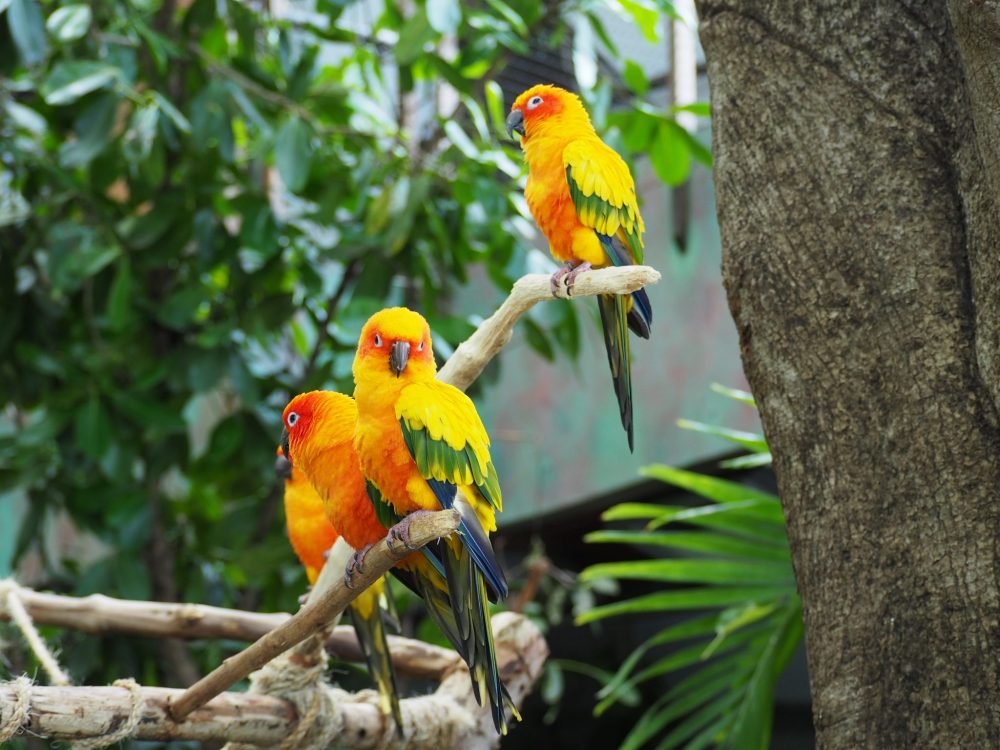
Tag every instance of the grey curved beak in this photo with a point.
(283, 467)
(284, 446)
(399, 355)
(515, 123)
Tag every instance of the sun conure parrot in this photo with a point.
(312, 535)
(423, 447)
(582, 196)
(318, 439)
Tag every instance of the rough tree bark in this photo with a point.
(857, 167)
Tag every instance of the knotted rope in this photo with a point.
(11, 723)
(128, 728)
(10, 604)
(431, 721)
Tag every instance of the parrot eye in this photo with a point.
(378, 340)
(420, 346)
(293, 417)
(534, 102)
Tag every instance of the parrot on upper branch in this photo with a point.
(582, 196)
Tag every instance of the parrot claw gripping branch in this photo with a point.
(297, 709)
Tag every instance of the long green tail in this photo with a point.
(470, 606)
(614, 319)
(466, 626)
(370, 628)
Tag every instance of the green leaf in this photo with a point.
(537, 339)
(752, 728)
(712, 488)
(646, 17)
(750, 461)
(173, 114)
(68, 81)
(671, 154)
(94, 128)
(674, 601)
(744, 397)
(293, 152)
(141, 134)
(93, 428)
(27, 30)
(694, 541)
(748, 440)
(444, 16)
(510, 15)
(635, 77)
(768, 512)
(416, 33)
(696, 571)
(69, 22)
(495, 106)
(701, 109)
(119, 297)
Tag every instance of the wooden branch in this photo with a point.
(473, 354)
(313, 616)
(103, 615)
(70, 713)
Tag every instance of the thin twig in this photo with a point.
(313, 616)
(350, 271)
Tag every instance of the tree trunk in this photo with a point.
(861, 234)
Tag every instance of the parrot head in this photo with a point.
(282, 466)
(316, 421)
(544, 106)
(395, 344)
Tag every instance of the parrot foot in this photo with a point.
(571, 276)
(304, 597)
(569, 272)
(558, 276)
(400, 533)
(355, 565)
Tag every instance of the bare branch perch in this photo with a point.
(104, 615)
(475, 353)
(70, 713)
(313, 616)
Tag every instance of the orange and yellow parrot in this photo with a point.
(423, 447)
(319, 440)
(582, 196)
(312, 535)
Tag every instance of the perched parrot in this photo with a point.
(312, 535)
(582, 196)
(423, 447)
(319, 441)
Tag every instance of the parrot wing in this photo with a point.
(603, 193)
(450, 447)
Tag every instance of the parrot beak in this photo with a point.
(399, 355)
(285, 448)
(283, 467)
(515, 123)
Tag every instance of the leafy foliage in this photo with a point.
(731, 558)
(200, 203)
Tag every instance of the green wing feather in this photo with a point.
(603, 192)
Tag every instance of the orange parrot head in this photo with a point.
(395, 345)
(545, 107)
(317, 421)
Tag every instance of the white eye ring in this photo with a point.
(420, 346)
(293, 417)
(378, 340)
(534, 102)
